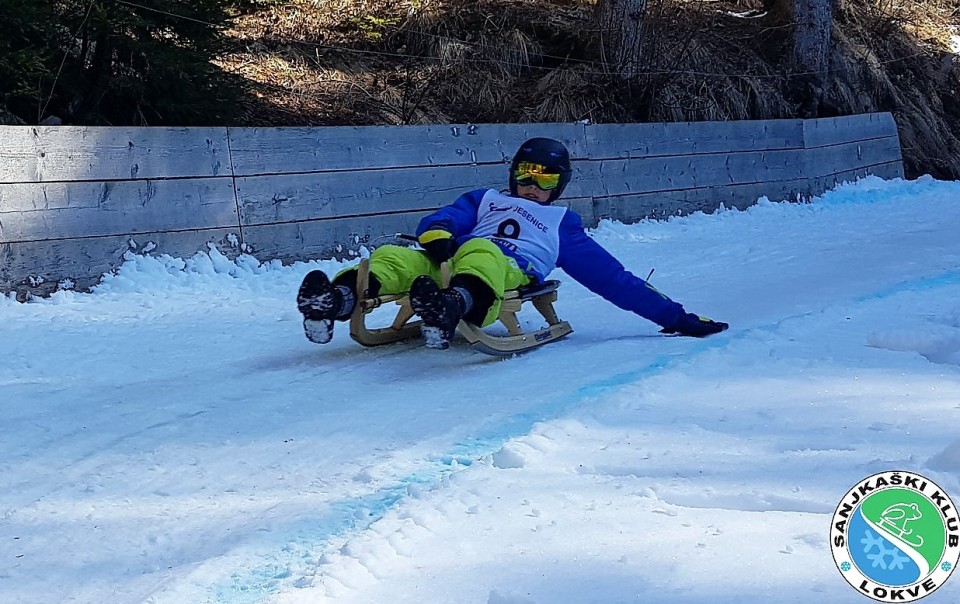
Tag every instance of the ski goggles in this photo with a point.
(528, 173)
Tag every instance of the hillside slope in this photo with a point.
(330, 62)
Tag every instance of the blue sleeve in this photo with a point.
(458, 218)
(596, 269)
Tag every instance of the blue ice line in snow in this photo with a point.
(521, 423)
(253, 585)
(944, 279)
(924, 283)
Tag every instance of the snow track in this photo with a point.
(174, 438)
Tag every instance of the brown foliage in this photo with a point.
(342, 62)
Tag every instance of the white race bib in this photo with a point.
(524, 228)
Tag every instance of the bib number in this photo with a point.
(509, 229)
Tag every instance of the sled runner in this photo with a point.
(542, 295)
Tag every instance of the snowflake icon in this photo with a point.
(845, 566)
(897, 560)
(870, 541)
(946, 566)
(879, 558)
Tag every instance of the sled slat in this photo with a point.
(508, 345)
(399, 330)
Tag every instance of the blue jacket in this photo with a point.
(577, 254)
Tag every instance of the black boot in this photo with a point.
(320, 302)
(439, 309)
(481, 297)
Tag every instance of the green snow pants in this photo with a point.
(396, 267)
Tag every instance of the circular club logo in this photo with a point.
(896, 536)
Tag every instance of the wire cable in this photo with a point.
(63, 61)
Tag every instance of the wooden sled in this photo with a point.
(542, 295)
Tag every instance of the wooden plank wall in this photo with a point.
(74, 200)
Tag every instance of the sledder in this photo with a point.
(496, 244)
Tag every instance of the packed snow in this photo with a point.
(172, 437)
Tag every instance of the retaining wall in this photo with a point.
(74, 200)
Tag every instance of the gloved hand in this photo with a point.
(696, 326)
(438, 244)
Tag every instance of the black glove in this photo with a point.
(438, 244)
(690, 324)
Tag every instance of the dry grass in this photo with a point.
(353, 62)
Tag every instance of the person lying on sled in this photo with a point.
(494, 241)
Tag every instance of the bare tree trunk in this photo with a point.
(812, 22)
(811, 38)
(621, 22)
(810, 27)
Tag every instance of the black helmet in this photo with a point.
(549, 153)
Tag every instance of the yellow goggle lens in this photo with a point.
(535, 174)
